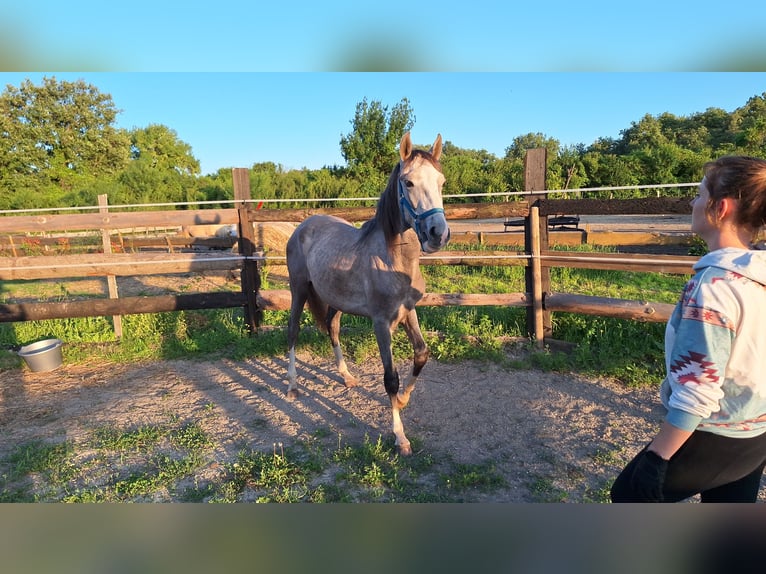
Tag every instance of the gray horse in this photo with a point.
(372, 271)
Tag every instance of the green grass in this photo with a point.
(155, 462)
(110, 465)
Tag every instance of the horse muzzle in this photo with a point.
(433, 233)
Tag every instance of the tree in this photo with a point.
(58, 137)
(646, 133)
(323, 184)
(751, 126)
(162, 167)
(570, 167)
(471, 172)
(520, 145)
(718, 125)
(370, 150)
(161, 148)
(217, 187)
(609, 170)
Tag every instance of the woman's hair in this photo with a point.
(742, 178)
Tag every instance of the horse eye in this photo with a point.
(408, 183)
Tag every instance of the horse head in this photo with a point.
(420, 193)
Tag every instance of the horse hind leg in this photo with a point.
(293, 325)
(333, 329)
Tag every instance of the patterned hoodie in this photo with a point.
(715, 347)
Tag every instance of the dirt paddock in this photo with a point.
(552, 436)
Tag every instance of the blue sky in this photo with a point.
(483, 35)
(297, 119)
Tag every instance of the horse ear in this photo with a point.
(436, 149)
(405, 146)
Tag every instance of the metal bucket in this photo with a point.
(43, 355)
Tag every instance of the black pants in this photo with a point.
(718, 468)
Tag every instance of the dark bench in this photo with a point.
(560, 222)
(512, 223)
(564, 222)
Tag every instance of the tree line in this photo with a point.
(60, 147)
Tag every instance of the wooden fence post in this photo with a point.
(111, 280)
(535, 268)
(535, 167)
(250, 278)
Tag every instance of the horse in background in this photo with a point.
(372, 271)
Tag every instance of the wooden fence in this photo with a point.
(535, 256)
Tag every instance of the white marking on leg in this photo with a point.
(340, 363)
(402, 442)
(292, 377)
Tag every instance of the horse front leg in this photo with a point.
(420, 354)
(391, 383)
(333, 329)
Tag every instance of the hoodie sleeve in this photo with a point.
(699, 355)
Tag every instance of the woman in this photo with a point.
(713, 439)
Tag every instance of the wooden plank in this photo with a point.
(609, 307)
(643, 206)
(118, 264)
(581, 237)
(116, 220)
(679, 265)
(274, 300)
(461, 211)
(475, 299)
(279, 299)
(638, 238)
(475, 258)
(39, 311)
(505, 209)
(353, 214)
(130, 264)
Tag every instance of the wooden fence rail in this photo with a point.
(535, 256)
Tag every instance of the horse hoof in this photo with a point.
(351, 382)
(293, 394)
(405, 449)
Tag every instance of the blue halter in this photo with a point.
(404, 203)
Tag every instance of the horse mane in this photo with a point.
(388, 215)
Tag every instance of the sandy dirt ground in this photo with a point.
(563, 431)
(552, 436)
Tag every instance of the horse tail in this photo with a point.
(318, 309)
